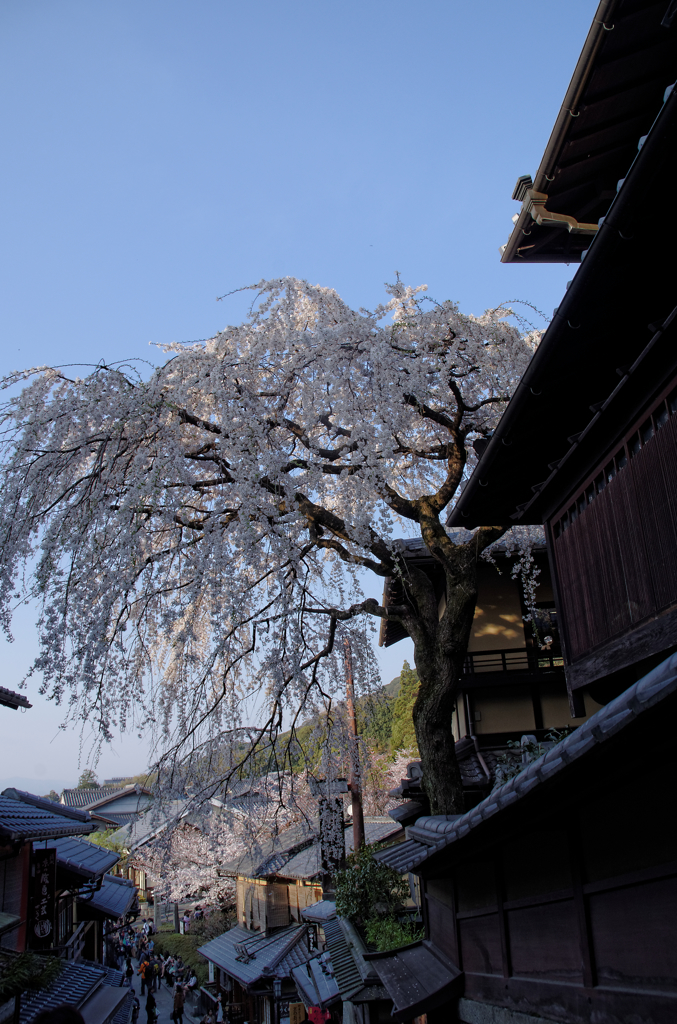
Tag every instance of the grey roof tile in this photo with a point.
(248, 956)
(115, 897)
(123, 1015)
(80, 857)
(323, 910)
(151, 822)
(435, 832)
(308, 863)
(111, 974)
(74, 985)
(85, 797)
(21, 820)
(316, 983)
(346, 972)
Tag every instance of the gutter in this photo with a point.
(568, 110)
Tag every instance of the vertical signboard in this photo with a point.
(41, 899)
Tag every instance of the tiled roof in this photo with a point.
(270, 857)
(13, 700)
(315, 982)
(431, 834)
(249, 956)
(346, 971)
(85, 797)
(115, 818)
(112, 794)
(74, 985)
(115, 897)
(151, 822)
(356, 979)
(111, 974)
(80, 857)
(37, 819)
(124, 1014)
(418, 978)
(323, 910)
(307, 863)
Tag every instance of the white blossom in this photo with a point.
(197, 540)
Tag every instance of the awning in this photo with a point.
(418, 978)
(115, 897)
(89, 860)
(318, 913)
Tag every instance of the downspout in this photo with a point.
(569, 109)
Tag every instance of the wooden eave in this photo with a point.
(628, 60)
(609, 349)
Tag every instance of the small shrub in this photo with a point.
(388, 933)
(365, 883)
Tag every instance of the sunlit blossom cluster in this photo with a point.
(198, 538)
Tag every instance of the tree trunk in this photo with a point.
(440, 646)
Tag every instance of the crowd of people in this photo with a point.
(152, 970)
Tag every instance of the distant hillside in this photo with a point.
(393, 687)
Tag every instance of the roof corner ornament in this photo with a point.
(534, 203)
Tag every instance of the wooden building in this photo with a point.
(29, 918)
(588, 445)
(554, 895)
(513, 681)
(110, 806)
(253, 971)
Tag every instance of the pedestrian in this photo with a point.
(136, 1008)
(129, 971)
(219, 1009)
(151, 1009)
(179, 1000)
(169, 971)
(143, 967)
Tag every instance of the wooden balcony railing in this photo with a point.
(520, 659)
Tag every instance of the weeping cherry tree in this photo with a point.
(201, 539)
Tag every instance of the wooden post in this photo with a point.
(176, 917)
(354, 780)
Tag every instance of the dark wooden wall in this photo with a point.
(615, 545)
(576, 908)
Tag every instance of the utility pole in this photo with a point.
(354, 780)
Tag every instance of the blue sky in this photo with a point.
(158, 154)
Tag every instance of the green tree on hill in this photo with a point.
(403, 734)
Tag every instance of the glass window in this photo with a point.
(600, 483)
(590, 493)
(610, 472)
(661, 416)
(634, 445)
(621, 460)
(646, 431)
